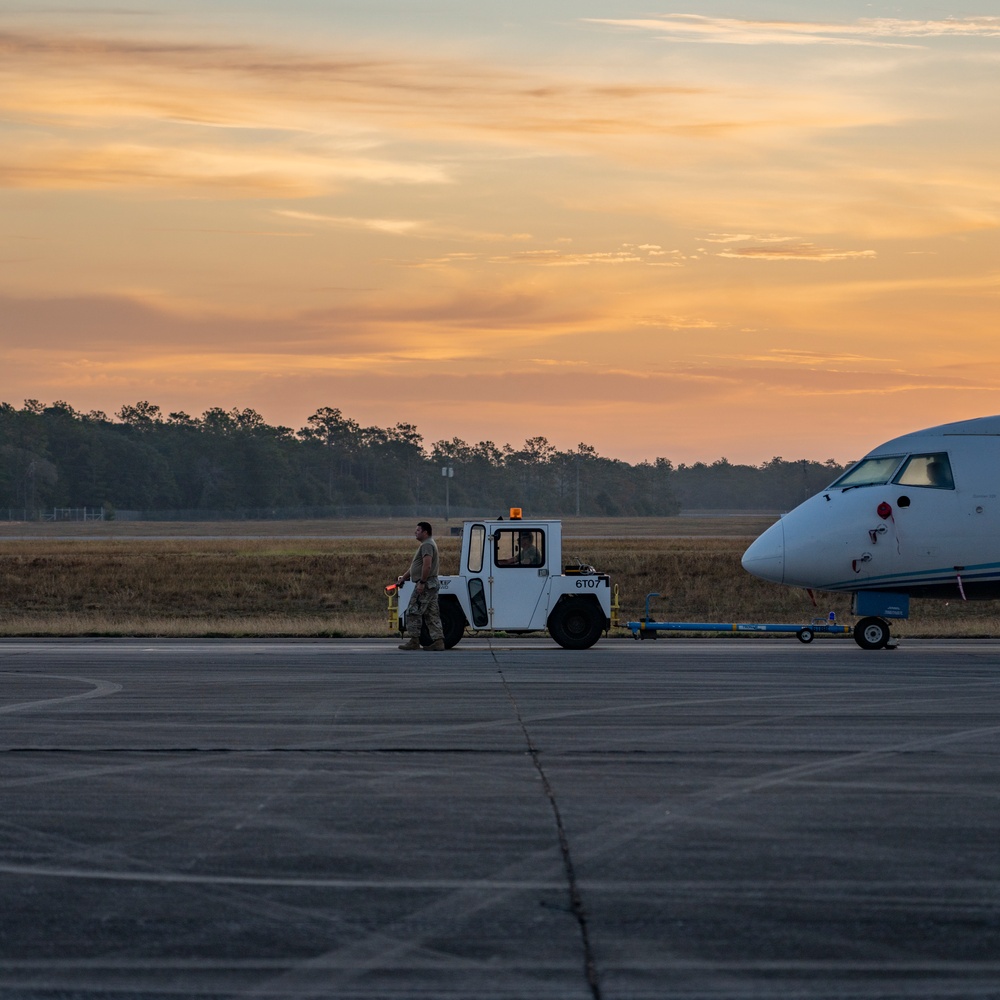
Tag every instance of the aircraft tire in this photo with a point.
(872, 633)
(576, 623)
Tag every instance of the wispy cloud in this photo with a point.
(650, 255)
(866, 31)
(72, 78)
(409, 227)
(747, 238)
(228, 172)
(288, 123)
(677, 322)
(396, 227)
(795, 251)
(777, 247)
(647, 255)
(823, 359)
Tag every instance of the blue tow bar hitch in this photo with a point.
(648, 629)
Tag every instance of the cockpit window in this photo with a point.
(869, 472)
(933, 471)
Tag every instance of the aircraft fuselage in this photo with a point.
(918, 516)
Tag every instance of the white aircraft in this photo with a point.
(918, 516)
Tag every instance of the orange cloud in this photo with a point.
(352, 97)
(219, 172)
(796, 251)
(338, 116)
(884, 32)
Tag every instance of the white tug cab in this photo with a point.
(511, 578)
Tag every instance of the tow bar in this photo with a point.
(648, 629)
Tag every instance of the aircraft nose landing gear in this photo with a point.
(873, 633)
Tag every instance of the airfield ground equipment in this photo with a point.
(649, 629)
(512, 579)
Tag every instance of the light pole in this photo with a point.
(449, 473)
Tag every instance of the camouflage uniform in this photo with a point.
(423, 607)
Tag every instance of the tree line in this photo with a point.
(52, 455)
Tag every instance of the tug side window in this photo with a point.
(477, 546)
(933, 471)
(519, 547)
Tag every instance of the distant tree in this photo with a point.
(234, 460)
(338, 437)
(142, 416)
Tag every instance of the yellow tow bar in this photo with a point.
(392, 593)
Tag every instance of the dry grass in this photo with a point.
(576, 527)
(189, 586)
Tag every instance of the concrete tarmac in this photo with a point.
(721, 818)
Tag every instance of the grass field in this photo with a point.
(332, 585)
(576, 527)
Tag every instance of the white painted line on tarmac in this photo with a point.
(100, 689)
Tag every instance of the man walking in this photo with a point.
(423, 607)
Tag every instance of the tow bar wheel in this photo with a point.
(805, 635)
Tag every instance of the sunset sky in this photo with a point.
(746, 229)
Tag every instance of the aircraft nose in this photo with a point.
(766, 556)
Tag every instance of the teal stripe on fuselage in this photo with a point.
(890, 581)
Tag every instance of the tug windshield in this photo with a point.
(869, 472)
